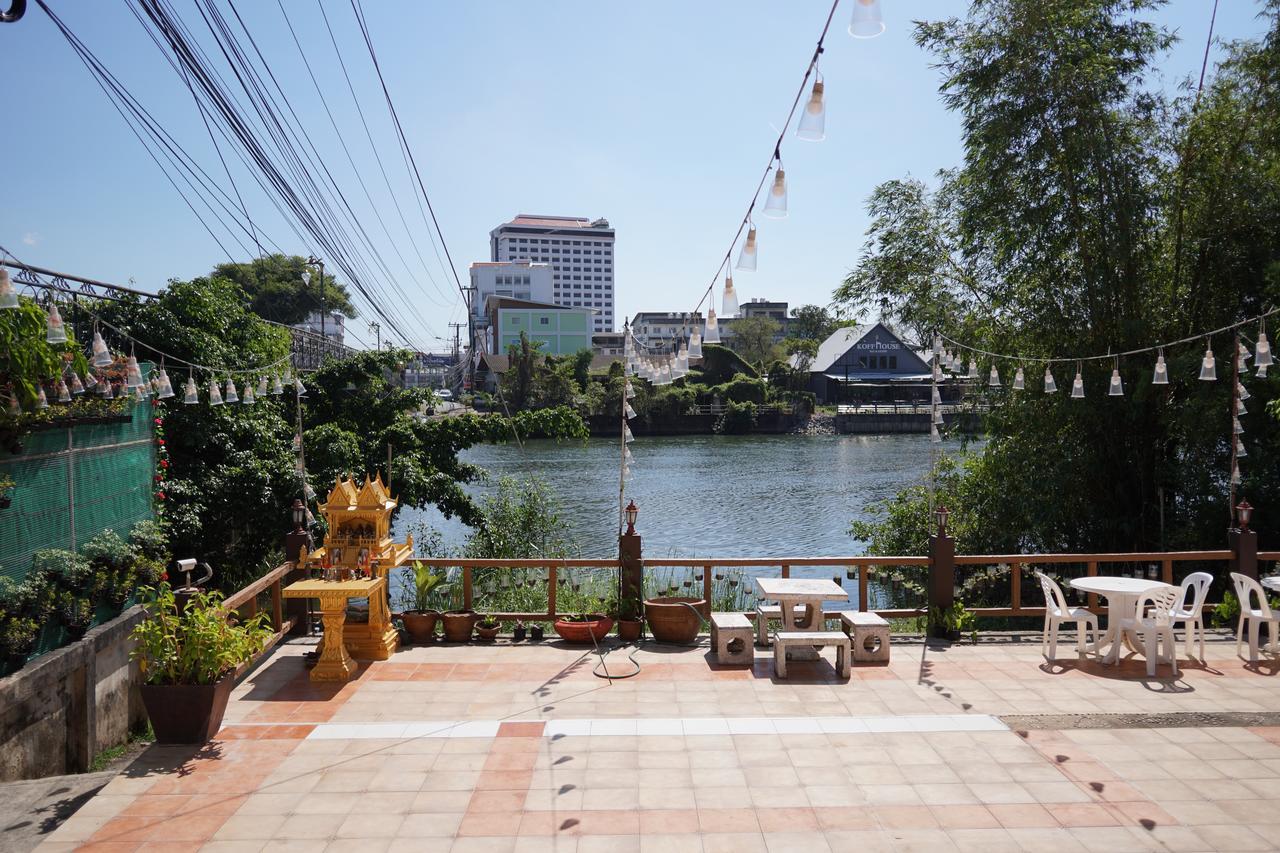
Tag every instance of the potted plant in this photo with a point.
(76, 613)
(487, 628)
(188, 661)
(953, 622)
(6, 491)
(458, 625)
(583, 627)
(519, 631)
(630, 619)
(536, 631)
(420, 619)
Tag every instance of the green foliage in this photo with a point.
(421, 582)
(276, 290)
(737, 419)
(1227, 612)
(26, 358)
(811, 323)
(521, 520)
(720, 364)
(955, 618)
(754, 338)
(741, 389)
(197, 646)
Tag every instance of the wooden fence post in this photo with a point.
(942, 573)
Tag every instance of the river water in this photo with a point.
(711, 496)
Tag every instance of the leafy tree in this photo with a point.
(754, 338)
(276, 291)
(811, 323)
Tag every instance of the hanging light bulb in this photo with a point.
(1077, 386)
(55, 332)
(89, 380)
(973, 369)
(277, 388)
(1262, 351)
(1117, 386)
(729, 301)
(230, 394)
(64, 394)
(993, 381)
(132, 373)
(1161, 375)
(1242, 393)
(1050, 387)
(1208, 372)
(166, 387)
(813, 121)
(695, 344)
(101, 355)
(711, 330)
(1241, 452)
(747, 257)
(1237, 427)
(262, 386)
(8, 296)
(190, 396)
(298, 389)
(139, 393)
(249, 399)
(775, 206)
(215, 395)
(42, 402)
(77, 387)
(868, 19)
(1019, 380)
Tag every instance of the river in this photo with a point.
(711, 495)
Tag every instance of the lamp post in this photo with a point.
(632, 511)
(942, 568)
(306, 279)
(1244, 512)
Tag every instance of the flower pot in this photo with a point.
(518, 633)
(629, 629)
(489, 633)
(594, 629)
(187, 713)
(458, 625)
(421, 624)
(674, 620)
(535, 632)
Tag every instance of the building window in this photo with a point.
(893, 362)
(544, 321)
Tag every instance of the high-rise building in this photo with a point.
(580, 252)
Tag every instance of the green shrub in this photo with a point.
(198, 645)
(150, 540)
(742, 389)
(66, 570)
(738, 419)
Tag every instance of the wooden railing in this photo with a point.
(245, 604)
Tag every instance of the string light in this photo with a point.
(993, 381)
(1117, 385)
(711, 330)
(8, 296)
(77, 387)
(813, 121)
(64, 394)
(747, 257)
(42, 402)
(55, 332)
(230, 394)
(1077, 386)
(729, 300)
(775, 204)
(867, 21)
(1050, 387)
(1161, 375)
(1262, 350)
(215, 396)
(1019, 381)
(248, 399)
(1208, 368)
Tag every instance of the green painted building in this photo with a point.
(561, 330)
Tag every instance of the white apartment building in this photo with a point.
(334, 325)
(514, 279)
(660, 328)
(579, 251)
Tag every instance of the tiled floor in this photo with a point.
(521, 748)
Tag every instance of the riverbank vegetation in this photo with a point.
(1093, 212)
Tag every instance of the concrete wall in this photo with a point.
(884, 424)
(62, 709)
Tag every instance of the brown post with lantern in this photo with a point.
(942, 569)
(1243, 543)
(297, 544)
(631, 570)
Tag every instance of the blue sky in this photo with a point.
(658, 116)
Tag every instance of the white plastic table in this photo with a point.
(1272, 583)
(1122, 596)
(810, 592)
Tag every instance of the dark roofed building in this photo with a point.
(868, 363)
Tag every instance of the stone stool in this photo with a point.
(870, 635)
(731, 638)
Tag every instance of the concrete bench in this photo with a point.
(731, 638)
(765, 612)
(869, 634)
(782, 640)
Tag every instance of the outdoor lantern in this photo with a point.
(1235, 475)
(1261, 357)
(1019, 381)
(1236, 426)
(306, 276)
(775, 206)
(695, 344)
(937, 397)
(89, 380)
(248, 398)
(973, 369)
(190, 396)
(1077, 386)
(297, 387)
(1207, 370)
(729, 302)
(299, 515)
(55, 332)
(107, 392)
(276, 388)
(1241, 450)
(993, 380)
(262, 386)
(710, 330)
(132, 374)
(934, 435)
(867, 21)
(1242, 355)
(1161, 376)
(813, 120)
(1050, 387)
(64, 394)
(632, 512)
(629, 393)
(42, 402)
(1117, 386)
(1240, 409)
(9, 296)
(215, 396)
(1262, 371)
(1242, 393)
(230, 394)
(77, 387)
(942, 512)
(1244, 512)
(937, 415)
(166, 387)
(747, 257)
(627, 411)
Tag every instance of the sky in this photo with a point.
(659, 116)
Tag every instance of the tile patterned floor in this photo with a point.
(521, 748)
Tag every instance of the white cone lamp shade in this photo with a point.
(628, 412)
(1117, 385)
(934, 435)
(64, 393)
(1240, 408)
(1161, 375)
(868, 19)
(298, 389)
(937, 397)
(775, 205)
(993, 381)
(747, 257)
(166, 387)
(8, 296)
(89, 380)
(42, 402)
(813, 120)
(55, 332)
(1208, 369)
(729, 301)
(937, 372)
(215, 395)
(1019, 380)
(1241, 452)
(695, 344)
(973, 369)
(262, 387)
(626, 434)
(190, 396)
(77, 387)
(1050, 387)
(1262, 352)
(1243, 354)
(287, 376)
(1237, 427)
(132, 374)
(1242, 393)
(249, 399)
(937, 415)
(230, 394)
(1235, 475)
(105, 390)
(277, 388)
(711, 329)
(1077, 387)
(1262, 371)
(682, 359)
(628, 393)
(101, 355)
(139, 393)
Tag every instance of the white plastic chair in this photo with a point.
(1154, 621)
(1056, 612)
(1190, 607)
(1246, 590)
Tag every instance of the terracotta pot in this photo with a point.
(593, 630)
(421, 624)
(488, 633)
(629, 629)
(187, 713)
(670, 621)
(458, 625)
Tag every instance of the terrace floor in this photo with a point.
(504, 748)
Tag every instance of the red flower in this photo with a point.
(159, 421)
(164, 576)
(160, 495)
(158, 478)
(160, 441)
(164, 463)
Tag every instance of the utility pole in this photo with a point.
(377, 328)
(471, 339)
(306, 279)
(457, 343)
